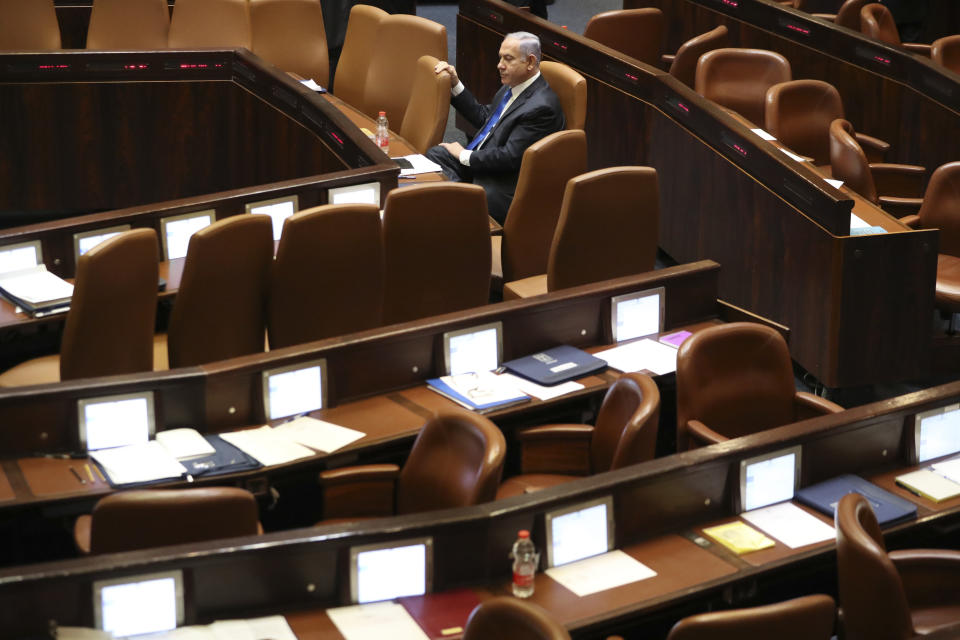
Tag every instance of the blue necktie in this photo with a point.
(492, 121)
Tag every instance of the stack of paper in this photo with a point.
(136, 463)
(481, 392)
(414, 164)
(274, 627)
(929, 484)
(35, 288)
(267, 445)
(739, 537)
(643, 354)
(185, 443)
(375, 622)
(599, 573)
(317, 434)
(790, 524)
(949, 469)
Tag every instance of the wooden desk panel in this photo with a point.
(48, 477)
(6, 489)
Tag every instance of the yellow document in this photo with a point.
(739, 537)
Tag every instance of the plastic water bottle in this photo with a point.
(383, 133)
(525, 561)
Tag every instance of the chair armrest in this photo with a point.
(702, 435)
(900, 206)
(911, 221)
(556, 448)
(829, 17)
(357, 492)
(806, 405)
(918, 48)
(900, 180)
(667, 58)
(929, 576)
(874, 148)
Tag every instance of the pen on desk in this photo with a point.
(77, 476)
(99, 473)
(89, 473)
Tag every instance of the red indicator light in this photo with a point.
(134, 67)
(194, 66)
(47, 67)
(336, 137)
(683, 107)
(740, 150)
(882, 59)
(560, 46)
(631, 77)
(732, 3)
(794, 27)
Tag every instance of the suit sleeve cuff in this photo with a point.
(457, 90)
(465, 157)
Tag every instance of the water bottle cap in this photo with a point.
(523, 533)
(383, 113)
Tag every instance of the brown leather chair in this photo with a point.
(328, 275)
(131, 520)
(426, 117)
(625, 434)
(220, 309)
(571, 89)
(358, 44)
(456, 461)
(210, 23)
(436, 243)
(507, 618)
(129, 24)
(804, 618)
(877, 22)
(289, 34)
(737, 379)
(608, 228)
(29, 25)
(109, 327)
(890, 596)
(638, 33)
(738, 79)
(848, 15)
(683, 64)
(946, 51)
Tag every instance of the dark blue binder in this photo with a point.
(825, 495)
(556, 365)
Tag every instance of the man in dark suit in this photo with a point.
(524, 110)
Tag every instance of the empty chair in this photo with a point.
(436, 243)
(358, 44)
(608, 228)
(328, 275)
(625, 434)
(946, 52)
(426, 116)
(683, 64)
(890, 596)
(738, 79)
(289, 34)
(507, 618)
(132, 520)
(29, 25)
(210, 23)
(877, 22)
(804, 618)
(848, 15)
(129, 24)
(639, 33)
(734, 380)
(456, 461)
(109, 328)
(571, 90)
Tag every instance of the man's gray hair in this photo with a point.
(528, 43)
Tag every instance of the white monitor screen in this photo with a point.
(938, 433)
(579, 532)
(83, 242)
(366, 193)
(20, 256)
(769, 479)
(279, 210)
(139, 605)
(177, 230)
(390, 570)
(635, 315)
(472, 350)
(116, 421)
(294, 390)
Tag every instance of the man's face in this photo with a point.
(513, 67)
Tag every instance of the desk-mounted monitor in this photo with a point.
(936, 433)
(389, 570)
(366, 193)
(638, 314)
(295, 389)
(139, 605)
(116, 421)
(579, 531)
(14, 257)
(473, 349)
(769, 479)
(279, 209)
(86, 240)
(177, 230)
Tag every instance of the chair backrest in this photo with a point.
(506, 618)
(571, 90)
(436, 244)
(358, 44)
(109, 328)
(805, 618)
(128, 24)
(735, 378)
(848, 15)
(29, 25)
(210, 23)
(426, 117)
(941, 207)
(639, 33)
(848, 162)
(877, 22)
(738, 79)
(328, 275)
(131, 520)
(946, 51)
(608, 227)
(528, 230)
(872, 600)
(799, 113)
(289, 34)
(626, 429)
(220, 307)
(456, 461)
(684, 65)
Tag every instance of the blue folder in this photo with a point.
(556, 365)
(888, 508)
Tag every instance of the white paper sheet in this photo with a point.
(143, 462)
(375, 622)
(317, 434)
(599, 573)
(420, 165)
(643, 354)
(792, 155)
(185, 443)
(312, 85)
(856, 222)
(929, 484)
(949, 468)
(836, 184)
(266, 446)
(539, 391)
(763, 134)
(789, 524)
(273, 627)
(36, 285)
